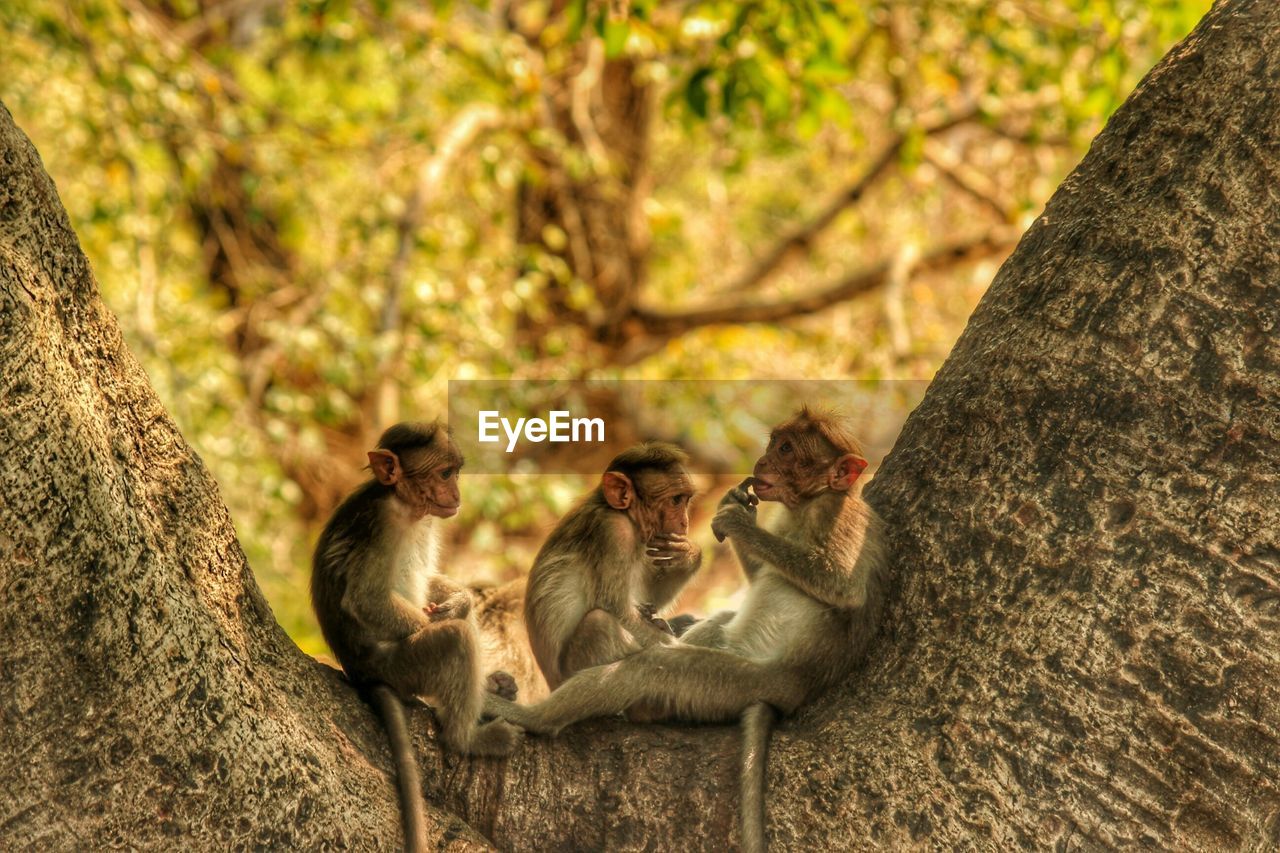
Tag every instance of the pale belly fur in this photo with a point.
(773, 614)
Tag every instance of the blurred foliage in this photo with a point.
(310, 215)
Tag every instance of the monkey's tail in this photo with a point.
(757, 724)
(412, 811)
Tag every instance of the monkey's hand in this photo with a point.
(456, 606)
(670, 548)
(501, 684)
(731, 518)
(741, 494)
(648, 613)
(740, 498)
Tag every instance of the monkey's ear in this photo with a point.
(845, 472)
(618, 491)
(386, 466)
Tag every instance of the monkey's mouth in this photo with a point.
(447, 510)
(761, 487)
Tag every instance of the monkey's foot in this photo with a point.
(495, 738)
(502, 684)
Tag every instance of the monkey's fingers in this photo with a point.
(670, 543)
(742, 494)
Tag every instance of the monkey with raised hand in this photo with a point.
(400, 629)
(816, 595)
(611, 563)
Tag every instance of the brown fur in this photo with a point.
(817, 591)
(504, 641)
(388, 616)
(622, 548)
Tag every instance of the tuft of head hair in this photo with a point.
(406, 437)
(832, 427)
(650, 456)
(411, 435)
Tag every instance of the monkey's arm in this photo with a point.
(370, 600)
(740, 496)
(750, 563)
(622, 583)
(450, 600)
(672, 560)
(809, 567)
(643, 629)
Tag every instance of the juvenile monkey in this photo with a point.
(816, 595)
(399, 628)
(616, 558)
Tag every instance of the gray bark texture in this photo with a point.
(1083, 645)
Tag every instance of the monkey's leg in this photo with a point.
(695, 684)
(709, 632)
(599, 639)
(443, 661)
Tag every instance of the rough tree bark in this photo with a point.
(1083, 649)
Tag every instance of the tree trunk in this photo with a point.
(1083, 649)
(149, 695)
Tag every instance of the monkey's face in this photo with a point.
(656, 501)
(664, 502)
(430, 484)
(799, 464)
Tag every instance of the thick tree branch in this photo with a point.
(946, 256)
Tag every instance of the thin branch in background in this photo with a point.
(944, 257)
(1024, 137)
(465, 128)
(803, 237)
(969, 182)
(146, 20)
(895, 315)
(460, 134)
(584, 84)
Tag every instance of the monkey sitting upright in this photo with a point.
(817, 592)
(396, 625)
(611, 563)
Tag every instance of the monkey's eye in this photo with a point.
(785, 448)
(446, 473)
(676, 500)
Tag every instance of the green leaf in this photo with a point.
(695, 92)
(577, 16)
(615, 38)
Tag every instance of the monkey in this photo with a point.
(504, 641)
(611, 562)
(399, 628)
(817, 587)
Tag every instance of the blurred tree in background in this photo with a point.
(310, 215)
